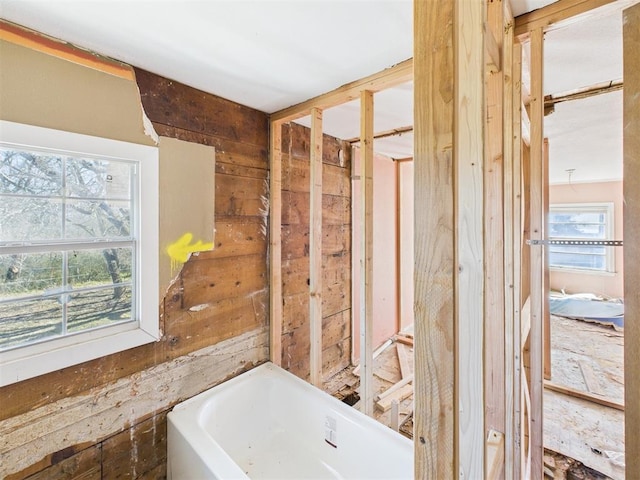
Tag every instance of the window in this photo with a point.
(78, 248)
(593, 221)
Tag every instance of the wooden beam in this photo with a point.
(435, 408)
(546, 314)
(390, 77)
(511, 455)
(584, 92)
(385, 134)
(537, 231)
(315, 248)
(366, 319)
(513, 431)
(275, 243)
(493, 226)
(405, 359)
(554, 13)
(572, 392)
(18, 35)
(631, 191)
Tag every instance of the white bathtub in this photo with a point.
(267, 423)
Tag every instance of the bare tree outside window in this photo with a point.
(66, 244)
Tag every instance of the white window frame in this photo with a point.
(608, 209)
(32, 360)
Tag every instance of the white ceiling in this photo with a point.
(270, 54)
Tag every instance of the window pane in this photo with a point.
(98, 219)
(89, 178)
(29, 321)
(583, 249)
(30, 219)
(98, 308)
(29, 173)
(29, 274)
(576, 230)
(572, 260)
(99, 267)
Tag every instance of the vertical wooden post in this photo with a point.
(474, 284)
(509, 259)
(448, 160)
(315, 248)
(494, 229)
(537, 257)
(514, 445)
(546, 315)
(275, 243)
(366, 318)
(433, 72)
(631, 133)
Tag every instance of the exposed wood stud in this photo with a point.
(275, 243)
(509, 226)
(546, 314)
(366, 318)
(513, 433)
(494, 236)
(472, 225)
(537, 231)
(435, 412)
(390, 77)
(315, 248)
(631, 127)
(554, 14)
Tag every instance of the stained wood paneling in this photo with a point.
(336, 247)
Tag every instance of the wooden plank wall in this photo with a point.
(336, 252)
(218, 295)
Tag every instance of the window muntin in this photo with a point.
(581, 222)
(78, 248)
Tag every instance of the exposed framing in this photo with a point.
(363, 89)
(537, 231)
(315, 248)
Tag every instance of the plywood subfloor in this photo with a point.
(586, 357)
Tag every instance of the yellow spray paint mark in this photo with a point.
(180, 250)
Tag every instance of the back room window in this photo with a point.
(593, 221)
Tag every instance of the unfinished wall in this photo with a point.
(336, 252)
(611, 285)
(107, 418)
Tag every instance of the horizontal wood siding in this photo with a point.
(336, 252)
(219, 295)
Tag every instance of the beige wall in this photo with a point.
(600, 284)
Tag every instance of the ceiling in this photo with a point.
(270, 54)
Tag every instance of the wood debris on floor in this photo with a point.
(393, 384)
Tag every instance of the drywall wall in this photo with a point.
(187, 188)
(610, 285)
(385, 253)
(216, 309)
(336, 252)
